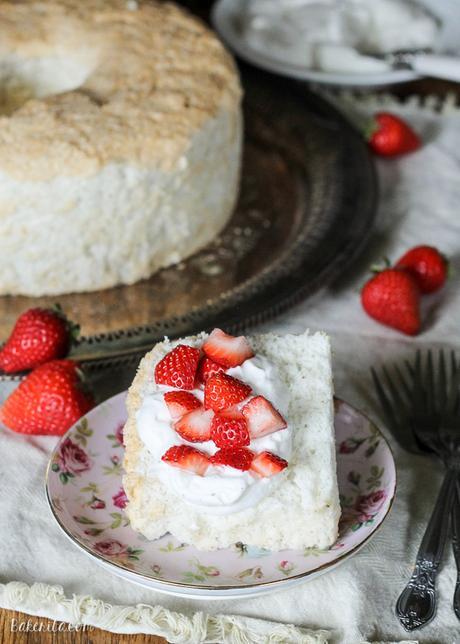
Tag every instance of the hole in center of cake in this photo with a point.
(23, 79)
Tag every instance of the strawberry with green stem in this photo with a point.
(392, 297)
(390, 136)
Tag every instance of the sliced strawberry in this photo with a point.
(240, 458)
(268, 464)
(207, 368)
(195, 426)
(227, 350)
(187, 458)
(178, 367)
(180, 403)
(229, 429)
(222, 391)
(262, 418)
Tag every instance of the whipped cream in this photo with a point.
(336, 35)
(223, 489)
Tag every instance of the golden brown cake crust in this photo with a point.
(155, 75)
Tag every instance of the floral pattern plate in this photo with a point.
(84, 490)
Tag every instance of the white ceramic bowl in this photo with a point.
(226, 20)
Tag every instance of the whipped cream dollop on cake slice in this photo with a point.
(214, 425)
(231, 439)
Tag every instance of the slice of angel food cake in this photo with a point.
(231, 439)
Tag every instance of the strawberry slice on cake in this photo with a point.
(195, 426)
(187, 458)
(178, 367)
(226, 349)
(180, 403)
(222, 391)
(262, 418)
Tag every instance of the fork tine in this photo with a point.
(404, 384)
(430, 397)
(419, 400)
(384, 401)
(398, 400)
(399, 426)
(410, 368)
(454, 369)
(453, 389)
(441, 393)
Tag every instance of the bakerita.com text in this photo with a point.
(38, 626)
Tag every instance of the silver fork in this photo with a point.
(421, 407)
(456, 548)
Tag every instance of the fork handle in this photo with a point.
(456, 545)
(416, 606)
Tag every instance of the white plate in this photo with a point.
(83, 488)
(225, 18)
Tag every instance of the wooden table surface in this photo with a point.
(11, 619)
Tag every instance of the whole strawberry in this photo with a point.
(39, 335)
(48, 401)
(427, 266)
(391, 136)
(392, 297)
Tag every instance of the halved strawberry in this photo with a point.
(195, 426)
(262, 418)
(229, 429)
(178, 367)
(206, 368)
(180, 403)
(187, 458)
(240, 458)
(268, 464)
(227, 350)
(222, 391)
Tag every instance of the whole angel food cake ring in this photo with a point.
(232, 439)
(120, 142)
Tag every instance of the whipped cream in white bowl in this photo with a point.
(222, 490)
(330, 41)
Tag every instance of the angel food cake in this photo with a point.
(120, 142)
(232, 439)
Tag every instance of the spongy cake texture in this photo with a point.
(302, 511)
(120, 142)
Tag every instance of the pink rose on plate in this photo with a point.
(72, 458)
(367, 505)
(120, 499)
(337, 545)
(119, 434)
(286, 567)
(212, 571)
(97, 504)
(110, 547)
(350, 445)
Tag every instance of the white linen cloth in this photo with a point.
(419, 203)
